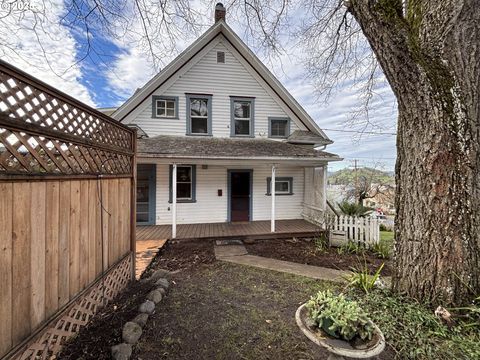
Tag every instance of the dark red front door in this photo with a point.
(240, 196)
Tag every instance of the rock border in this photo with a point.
(133, 329)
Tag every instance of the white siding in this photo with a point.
(210, 207)
(222, 81)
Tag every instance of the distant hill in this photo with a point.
(347, 176)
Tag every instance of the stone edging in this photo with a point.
(132, 330)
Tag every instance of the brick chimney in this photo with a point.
(219, 12)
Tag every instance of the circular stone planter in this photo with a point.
(339, 348)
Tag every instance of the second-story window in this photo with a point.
(242, 116)
(199, 115)
(165, 107)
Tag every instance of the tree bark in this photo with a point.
(430, 54)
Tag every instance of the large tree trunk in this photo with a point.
(430, 54)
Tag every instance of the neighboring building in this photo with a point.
(383, 200)
(216, 127)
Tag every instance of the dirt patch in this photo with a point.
(303, 251)
(228, 311)
(105, 329)
(181, 255)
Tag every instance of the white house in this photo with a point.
(216, 128)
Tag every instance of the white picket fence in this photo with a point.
(365, 230)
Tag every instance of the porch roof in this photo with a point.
(164, 146)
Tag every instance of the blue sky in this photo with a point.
(109, 78)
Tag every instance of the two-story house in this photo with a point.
(221, 140)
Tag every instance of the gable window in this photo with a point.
(220, 57)
(199, 114)
(186, 178)
(283, 186)
(165, 107)
(242, 116)
(278, 127)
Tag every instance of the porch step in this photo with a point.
(228, 242)
(229, 251)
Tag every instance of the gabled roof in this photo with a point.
(220, 27)
(227, 148)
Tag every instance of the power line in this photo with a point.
(361, 132)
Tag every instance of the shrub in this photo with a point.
(339, 317)
(382, 249)
(383, 227)
(351, 247)
(321, 243)
(362, 279)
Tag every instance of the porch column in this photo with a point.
(174, 200)
(272, 193)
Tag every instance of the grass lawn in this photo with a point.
(386, 236)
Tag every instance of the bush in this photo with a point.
(382, 249)
(383, 227)
(321, 243)
(339, 317)
(362, 279)
(351, 247)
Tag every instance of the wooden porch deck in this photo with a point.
(242, 230)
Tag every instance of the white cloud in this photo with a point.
(29, 50)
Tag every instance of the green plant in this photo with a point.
(339, 317)
(382, 249)
(362, 279)
(354, 209)
(351, 247)
(321, 243)
(383, 227)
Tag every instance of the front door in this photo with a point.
(146, 194)
(240, 195)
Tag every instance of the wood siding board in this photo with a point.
(37, 255)
(52, 247)
(6, 280)
(64, 243)
(21, 251)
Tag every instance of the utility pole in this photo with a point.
(356, 177)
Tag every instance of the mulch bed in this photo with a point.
(105, 329)
(303, 251)
(181, 255)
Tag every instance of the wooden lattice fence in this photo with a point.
(67, 214)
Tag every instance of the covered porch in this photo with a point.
(237, 230)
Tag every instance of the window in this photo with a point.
(220, 57)
(165, 107)
(186, 182)
(279, 127)
(283, 185)
(199, 109)
(242, 116)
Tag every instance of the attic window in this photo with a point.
(220, 57)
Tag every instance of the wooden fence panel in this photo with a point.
(48, 235)
(67, 184)
(358, 229)
(6, 245)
